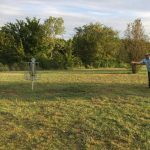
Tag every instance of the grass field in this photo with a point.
(105, 109)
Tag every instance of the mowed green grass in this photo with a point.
(105, 109)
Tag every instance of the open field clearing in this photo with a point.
(106, 109)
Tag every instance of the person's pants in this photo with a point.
(149, 79)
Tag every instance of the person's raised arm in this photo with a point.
(137, 62)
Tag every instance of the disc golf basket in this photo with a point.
(31, 73)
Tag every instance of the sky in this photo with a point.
(76, 13)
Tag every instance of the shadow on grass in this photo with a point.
(100, 71)
(56, 91)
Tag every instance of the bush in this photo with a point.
(4, 67)
(44, 63)
(77, 62)
(14, 67)
(58, 62)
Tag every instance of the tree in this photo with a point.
(135, 42)
(54, 26)
(10, 51)
(29, 38)
(62, 53)
(96, 45)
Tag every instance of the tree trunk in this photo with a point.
(134, 68)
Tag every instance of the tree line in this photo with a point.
(93, 45)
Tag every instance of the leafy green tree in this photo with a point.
(69, 57)
(62, 53)
(96, 45)
(53, 28)
(32, 37)
(29, 38)
(10, 51)
(135, 42)
(122, 56)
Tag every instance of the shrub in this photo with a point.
(4, 67)
(15, 67)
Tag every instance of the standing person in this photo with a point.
(145, 61)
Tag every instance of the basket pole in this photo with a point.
(32, 85)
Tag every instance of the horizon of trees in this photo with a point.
(93, 45)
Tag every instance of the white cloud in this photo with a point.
(144, 14)
(9, 10)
